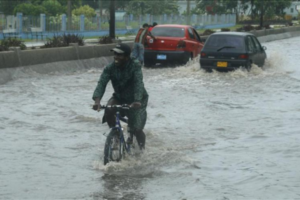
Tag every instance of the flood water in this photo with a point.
(213, 135)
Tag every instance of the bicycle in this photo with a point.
(115, 145)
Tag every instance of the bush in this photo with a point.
(73, 38)
(105, 40)
(248, 28)
(86, 10)
(56, 41)
(11, 42)
(3, 48)
(267, 26)
(258, 28)
(64, 41)
(207, 32)
(225, 29)
(239, 29)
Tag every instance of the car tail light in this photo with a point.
(203, 55)
(244, 56)
(181, 44)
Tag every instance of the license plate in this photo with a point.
(161, 57)
(222, 64)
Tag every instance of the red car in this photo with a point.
(173, 43)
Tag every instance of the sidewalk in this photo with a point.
(34, 43)
(86, 41)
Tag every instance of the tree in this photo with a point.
(92, 3)
(29, 9)
(152, 7)
(212, 6)
(8, 7)
(268, 8)
(259, 8)
(84, 10)
(75, 3)
(53, 8)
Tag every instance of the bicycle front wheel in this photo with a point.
(113, 147)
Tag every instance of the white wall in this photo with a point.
(292, 10)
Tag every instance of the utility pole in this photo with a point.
(262, 12)
(100, 8)
(69, 15)
(188, 15)
(112, 20)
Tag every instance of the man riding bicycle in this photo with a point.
(126, 76)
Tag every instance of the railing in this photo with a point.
(82, 24)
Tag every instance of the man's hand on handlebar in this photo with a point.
(97, 105)
(135, 105)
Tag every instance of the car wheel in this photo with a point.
(262, 64)
(248, 66)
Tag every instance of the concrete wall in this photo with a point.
(276, 34)
(18, 58)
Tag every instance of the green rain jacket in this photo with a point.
(127, 83)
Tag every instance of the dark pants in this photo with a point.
(136, 120)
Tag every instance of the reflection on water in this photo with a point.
(121, 187)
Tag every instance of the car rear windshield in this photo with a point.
(221, 41)
(168, 32)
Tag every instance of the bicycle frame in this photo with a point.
(119, 128)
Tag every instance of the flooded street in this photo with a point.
(215, 136)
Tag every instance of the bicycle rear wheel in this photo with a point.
(113, 149)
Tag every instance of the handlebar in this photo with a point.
(124, 106)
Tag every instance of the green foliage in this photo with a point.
(3, 48)
(53, 8)
(63, 41)
(7, 7)
(259, 8)
(74, 3)
(56, 41)
(11, 42)
(208, 32)
(73, 38)
(29, 9)
(55, 20)
(87, 21)
(105, 40)
(225, 29)
(194, 11)
(138, 7)
(86, 10)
